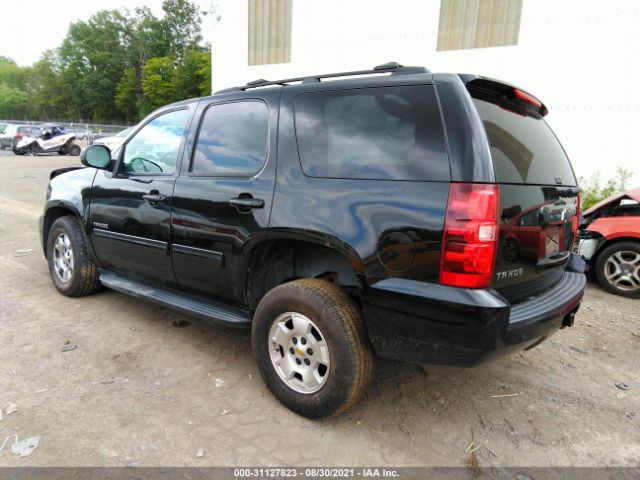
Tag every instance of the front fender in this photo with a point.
(68, 193)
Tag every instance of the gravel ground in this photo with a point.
(139, 391)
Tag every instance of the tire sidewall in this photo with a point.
(337, 388)
(73, 150)
(67, 226)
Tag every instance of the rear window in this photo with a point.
(233, 139)
(387, 133)
(523, 148)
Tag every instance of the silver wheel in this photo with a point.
(622, 270)
(63, 258)
(299, 352)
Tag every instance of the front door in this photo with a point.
(223, 200)
(130, 212)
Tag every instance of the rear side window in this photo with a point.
(387, 133)
(233, 139)
(523, 147)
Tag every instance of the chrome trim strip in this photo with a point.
(199, 252)
(147, 242)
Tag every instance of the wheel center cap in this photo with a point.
(299, 352)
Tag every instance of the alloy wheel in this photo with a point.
(622, 270)
(63, 258)
(299, 352)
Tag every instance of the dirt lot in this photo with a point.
(139, 391)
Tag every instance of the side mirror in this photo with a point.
(96, 156)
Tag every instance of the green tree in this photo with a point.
(127, 94)
(13, 102)
(593, 191)
(46, 100)
(205, 73)
(181, 25)
(115, 65)
(94, 56)
(13, 75)
(149, 38)
(193, 75)
(157, 82)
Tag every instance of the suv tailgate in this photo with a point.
(539, 203)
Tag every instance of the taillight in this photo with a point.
(527, 98)
(470, 235)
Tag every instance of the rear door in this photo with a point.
(538, 194)
(222, 199)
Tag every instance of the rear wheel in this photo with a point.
(618, 269)
(74, 150)
(72, 270)
(312, 348)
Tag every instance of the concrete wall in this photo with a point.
(581, 57)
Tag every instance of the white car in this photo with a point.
(114, 142)
(12, 134)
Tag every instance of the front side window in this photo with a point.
(154, 149)
(386, 133)
(233, 139)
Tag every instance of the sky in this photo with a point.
(26, 32)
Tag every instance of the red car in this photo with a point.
(609, 239)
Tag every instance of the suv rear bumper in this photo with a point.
(430, 323)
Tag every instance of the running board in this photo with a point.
(215, 312)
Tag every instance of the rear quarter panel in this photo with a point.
(355, 216)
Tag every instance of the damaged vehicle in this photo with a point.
(49, 138)
(417, 216)
(609, 240)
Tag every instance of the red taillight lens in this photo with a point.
(470, 235)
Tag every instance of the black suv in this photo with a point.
(424, 217)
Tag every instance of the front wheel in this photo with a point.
(72, 270)
(618, 269)
(311, 347)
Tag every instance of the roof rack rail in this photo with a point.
(392, 67)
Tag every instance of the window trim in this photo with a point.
(259, 170)
(120, 174)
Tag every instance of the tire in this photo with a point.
(72, 270)
(618, 269)
(18, 151)
(74, 150)
(327, 315)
